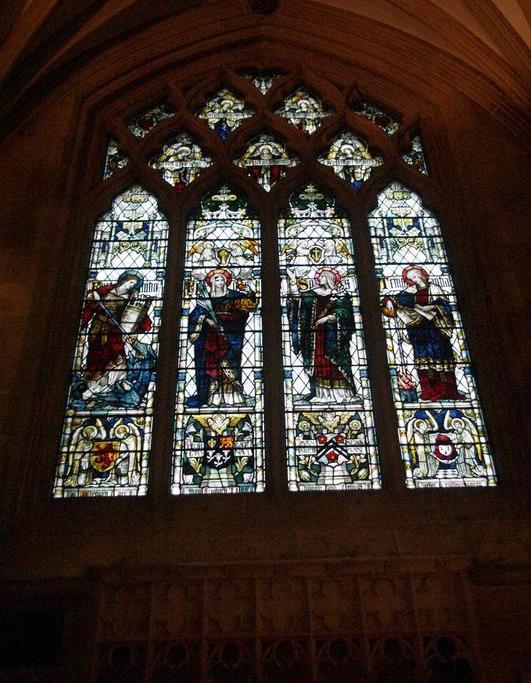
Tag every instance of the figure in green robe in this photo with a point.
(321, 325)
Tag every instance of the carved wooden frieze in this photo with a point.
(334, 620)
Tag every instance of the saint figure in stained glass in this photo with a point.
(224, 112)
(441, 430)
(181, 161)
(219, 402)
(351, 159)
(266, 160)
(107, 428)
(426, 315)
(322, 324)
(216, 328)
(329, 422)
(118, 366)
(303, 110)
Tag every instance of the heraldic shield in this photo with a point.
(331, 449)
(104, 455)
(219, 451)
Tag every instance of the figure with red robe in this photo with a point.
(112, 315)
(216, 328)
(322, 324)
(426, 314)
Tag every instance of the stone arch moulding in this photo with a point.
(376, 40)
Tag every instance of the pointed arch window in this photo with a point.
(267, 166)
(219, 405)
(441, 427)
(108, 424)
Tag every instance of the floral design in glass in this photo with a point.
(266, 160)
(224, 112)
(441, 428)
(107, 428)
(141, 124)
(329, 418)
(181, 161)
(351, 159)
(219, 405)
(262, 81)
(114, 160)
(415, 157)
(304, 111)
(376, 115)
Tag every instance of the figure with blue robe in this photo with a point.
(216, 328)
(426, 314)
(118, 367)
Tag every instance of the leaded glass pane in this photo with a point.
(114, 160)
(266, 160)
(376, 115)
(304, 110)
(107, 430)
(262, 81)
(181, 161)
(415, 157)
(219, 405)
(143, 123)
(441, 427)
(329, 418)
(350, 158)
(224, 112)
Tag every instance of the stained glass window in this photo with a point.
(224, 112)
(115, 160)
(351, 159)
(304, 110)
(181, 161)
(441, 427)
(266, 160)
(141, 124)
(219, 406)
(218, 435)
(415, 156)
(329, 419)
(376, 115)
(262, 81)
(107, 429)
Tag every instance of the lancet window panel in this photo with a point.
(441, 426)
(331, 439)
(107, 430)
(219, 438)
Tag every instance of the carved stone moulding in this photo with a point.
(263, 6)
